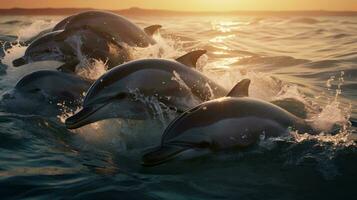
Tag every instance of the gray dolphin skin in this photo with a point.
(40, 92)
(118, 27)
(119, 93)
(224, 123)
(69, 46)
(95, 34)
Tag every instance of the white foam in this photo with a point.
(16, 51)
(164, 48)
(91, 69)
(36, 26)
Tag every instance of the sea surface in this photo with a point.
(311, 59)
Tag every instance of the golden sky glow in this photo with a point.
(190, 5)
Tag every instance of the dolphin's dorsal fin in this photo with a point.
(241, 89)
(151, 30)
(190, 59)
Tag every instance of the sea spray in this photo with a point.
(29, 31)
(164, 48)
(12, 53)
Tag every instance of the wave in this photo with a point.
(340, 36)
(305, 21)
(276, 61)
(14, 22)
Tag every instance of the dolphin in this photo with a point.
(235, 121)
(70, 46)
(44, 93)
(122, 92)
(117, 27)
(102, 35)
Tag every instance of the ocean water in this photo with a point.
(311, 59)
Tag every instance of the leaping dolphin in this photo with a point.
(45, 93)
(117, 94)
(71, 46)
(118, 27)
(95, 34)
(235, 121)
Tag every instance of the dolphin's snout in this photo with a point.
(18, 62)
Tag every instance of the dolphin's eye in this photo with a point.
(121, 95)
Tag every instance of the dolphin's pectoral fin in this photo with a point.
(293, 106)
(241, 89)
(69, 67)
(151, 30)
(190, 59)
(162, 154)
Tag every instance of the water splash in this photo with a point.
(168, 48)
(91, 69)
(12, 53)
(66, 111)
(35, 27)
(333, 113)
(160, 111)
(87, 68)
(193, 101)
(263, 86)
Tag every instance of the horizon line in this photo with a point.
(195, 11)
(143, 11)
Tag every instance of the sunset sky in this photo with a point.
(190, 5)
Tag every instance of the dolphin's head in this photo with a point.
(109, 98)
(47, 47)
(41, 91)
(52, 86)
(185, 135)
(15, 101)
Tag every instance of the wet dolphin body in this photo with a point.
(117, 27)
(70, 46)
(119, 93)
(223, 123)
(41, 92)
(105, 37)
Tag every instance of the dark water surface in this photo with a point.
(310, 59)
